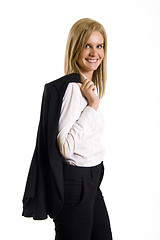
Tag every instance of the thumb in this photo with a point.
(79, 84)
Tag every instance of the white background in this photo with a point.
(32, 46)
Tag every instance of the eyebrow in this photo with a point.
(97, 44)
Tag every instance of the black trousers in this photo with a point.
(84, 215)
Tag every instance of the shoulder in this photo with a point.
(72, 90)
(63, 81)
(57, 88)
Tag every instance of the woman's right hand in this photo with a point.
(87, 89)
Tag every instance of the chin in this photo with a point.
(93, 68)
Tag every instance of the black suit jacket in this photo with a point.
(43, 194)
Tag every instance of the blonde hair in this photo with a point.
(76, 42)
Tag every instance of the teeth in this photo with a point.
(92, 61)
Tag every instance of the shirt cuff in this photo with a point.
(88, 117)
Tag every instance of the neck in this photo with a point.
(87, 75)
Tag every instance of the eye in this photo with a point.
(87, 46)
(100, 46)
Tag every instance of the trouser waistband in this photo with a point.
(81, 171)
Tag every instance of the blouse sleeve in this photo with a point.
(73, 123)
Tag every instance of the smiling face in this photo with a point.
(92, 55)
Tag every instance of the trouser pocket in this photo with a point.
(73, 190)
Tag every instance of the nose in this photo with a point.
(93, 52)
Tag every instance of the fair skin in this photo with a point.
(89, 60)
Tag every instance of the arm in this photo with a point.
(73, 124)
(88, 90)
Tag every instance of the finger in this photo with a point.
(87, 81)
(79, 84)
(87, 84)
(93, 88)
(90, 86)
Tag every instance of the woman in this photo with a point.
(67, 165)
(83, 215)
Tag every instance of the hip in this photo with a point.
(81, 184)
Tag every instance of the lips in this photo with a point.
(92, 60)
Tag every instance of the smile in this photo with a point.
(92, 60)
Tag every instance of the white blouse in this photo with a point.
(80, 129)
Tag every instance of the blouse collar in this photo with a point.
(83, 77)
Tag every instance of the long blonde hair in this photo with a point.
(76, 42)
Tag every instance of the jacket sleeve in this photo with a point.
(35, 175)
